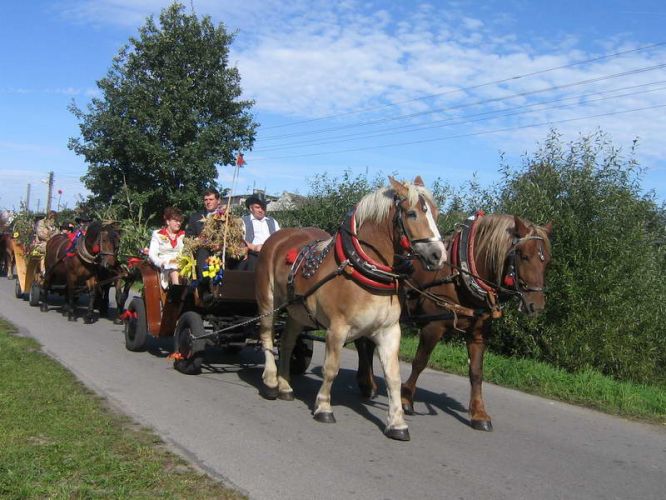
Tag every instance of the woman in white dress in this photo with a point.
(166, 245)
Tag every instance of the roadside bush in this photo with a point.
(606, 285)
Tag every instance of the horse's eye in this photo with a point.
(411, 214)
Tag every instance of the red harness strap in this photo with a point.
(357, 276)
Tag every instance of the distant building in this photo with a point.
(286, 201)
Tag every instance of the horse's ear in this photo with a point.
(521, 228)
(400, 189)
(418, 181)
(548, 228)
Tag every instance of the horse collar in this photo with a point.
(364, 269)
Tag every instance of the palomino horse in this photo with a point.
(491, 258)
(74, 263)
(346, 285)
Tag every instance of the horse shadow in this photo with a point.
(345, 393)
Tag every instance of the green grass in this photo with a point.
(588, 388)
(60, 440)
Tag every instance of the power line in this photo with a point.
(474, 87)
(459, 136)
(635, 71)
(493, 114)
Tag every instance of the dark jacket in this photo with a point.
(195, 223)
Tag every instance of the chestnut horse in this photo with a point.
(491, 258)
(346, 285)
(77, 264)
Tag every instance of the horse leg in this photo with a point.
(121, 297)
(429, 336)
(365, 378)
(269, 376)
(91, 283)
(476, 347)
(287, 342)
(335, 341)
(388, 346)
(44, 294)
(71, 299)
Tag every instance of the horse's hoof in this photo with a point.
(286, 395)
(88, 321)
(325, 417)
(408, 408)
(368, 392)
(397, 434)
(269, 392)
(482, 425)
(71, 318)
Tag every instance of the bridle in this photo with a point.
(404, 240)
(512, 279)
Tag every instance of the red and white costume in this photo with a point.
(164, 251)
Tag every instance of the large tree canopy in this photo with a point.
(170, 112)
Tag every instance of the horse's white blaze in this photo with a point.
(433, 225)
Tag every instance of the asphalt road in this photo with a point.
(539, 449)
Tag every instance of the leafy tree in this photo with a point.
(169, 113)
(329, 201)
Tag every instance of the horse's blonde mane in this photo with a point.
(494, 238)
(375, 207)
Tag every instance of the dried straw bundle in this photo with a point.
(212, 236)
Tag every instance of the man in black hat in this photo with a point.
(258, 227)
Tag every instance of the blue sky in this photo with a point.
(436, 88)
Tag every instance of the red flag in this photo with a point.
(240, 161)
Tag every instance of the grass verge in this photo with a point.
(588, 388)
(60, 440)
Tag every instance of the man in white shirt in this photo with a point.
(258, 227)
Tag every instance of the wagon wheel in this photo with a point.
(301, 356)
(136, 326)
(17, 289)
(188, 352)
(33, 295)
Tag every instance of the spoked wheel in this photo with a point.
(301, 356)
(17, 289)
(33, 295)
(136, 326)
(188, 351)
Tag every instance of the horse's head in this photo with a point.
(415, 218)
(103, 242)
(527, 261)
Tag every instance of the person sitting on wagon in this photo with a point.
(166, 245)
(195, 224)
(45, 228)
(258, 227)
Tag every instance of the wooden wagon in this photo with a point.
(229, 321)
(27, 272)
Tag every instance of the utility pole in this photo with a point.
(27, 199)
(48, 197)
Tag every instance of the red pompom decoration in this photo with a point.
(95, 249)
(404, 243)
(290, 258)
(509, 280)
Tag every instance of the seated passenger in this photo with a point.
(166, 246)
(258, 227)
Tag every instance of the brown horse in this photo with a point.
(346, 285)
(6, 255)
(77, 264)
(491, 258)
